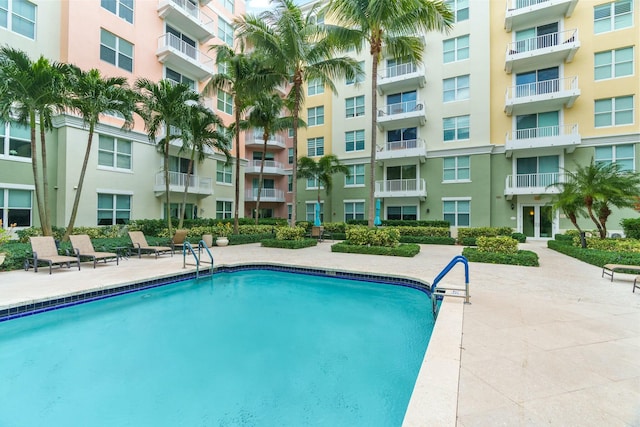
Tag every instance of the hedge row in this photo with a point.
(474, 232)
(289, 244)
(403, 222)
(428, 240)
(404, 250)
(594, 256)
(524, 258)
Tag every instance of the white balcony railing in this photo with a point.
(187, 6)
(174, 42)
(178, 180)
(266, 195)
(401, 188)
(534, 181)
(271, 164)
(542, 42)
(544, 87)
(407, 144)
(399, 70)
(257, 137)
(544, 132)
(401, 108)
(520, 4)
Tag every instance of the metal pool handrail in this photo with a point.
(186, 246)
(203, 245)
(440, 292)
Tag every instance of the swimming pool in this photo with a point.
(252, 347)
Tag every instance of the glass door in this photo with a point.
(537, 221)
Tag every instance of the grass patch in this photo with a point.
(289, 244)
(525, 258)
(405, 250)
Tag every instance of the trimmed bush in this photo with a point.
(335, 227)
(404, 250)
(290, 233)
(617, 245)
(631, 227)
(500, 244)
(365, 236)
(403, 223)
(427, 240)
(424, 231)
(289, 244)
(243, 239)
(475, 232)
(593, 256)
(524, 258)
(520, 237)
(565, 238)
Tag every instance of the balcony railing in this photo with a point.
(267, 164)
(542, 42)
(256, 138)
(527, 13)
(399, 70)
(533, 183)
(543, 87)
(401, 108)
(401, 188)
(554, 48)
(185, 15)
(402, 149)
(266, 195)
(563, 136)
(185, 56)
(177, 181)
(544, 132)
(542, 95)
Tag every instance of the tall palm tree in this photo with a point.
(164, 106)
(321, 171)
(391, 28)
(570, 202)
(93, 95)
(266, 114)
(301, 50)
(199, 133)
(31, 93)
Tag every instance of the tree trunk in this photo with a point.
(167, 208)
(237, 196)
(265, 136)
(46, 229)
(183, 206)
(34, 166)
(589, 205)
(375, 54)
(296, 110)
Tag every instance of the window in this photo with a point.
(356, 178)
(456, 212)
(18, 16)
(177, 78)
(539, 125)
(401, 178)
(455, 89)
(613, 63)
(460, 9)
(612, 16)
(15, 207)
(353, 210)
(174, 210)
(290, 132)
(114, 209)
(225, 102)
(623, 155)
(315, 116)
(121, 8)
(228, 4)
(223, 172)
(114, 153)
(354, 140)
(455, 128)
(289, 211)
(455, 49)
(116, 51)
(316, 87)
(313, 184)
(290, 157)
(289, 183)
(536, 38)
(404, 102)
(225, 32)
(540, 171)
(355, 106)
(402, 212)
(614, 111)
(223, 209)
(402, 139)
(15, 140)
(311, 211)
(456, 169)
(315, 147)
(359, 77)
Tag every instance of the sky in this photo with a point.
(255, 6)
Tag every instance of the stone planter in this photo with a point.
(222, 241)
(208, 239)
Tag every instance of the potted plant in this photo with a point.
(223, 229)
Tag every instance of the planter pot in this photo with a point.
(208, 239)
(222, 241)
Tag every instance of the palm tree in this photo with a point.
(199, 133)
(392, 28)
(301, 50)
(266, 114)
(570, 202)
(31, 93)
(164, 105)
(94, 95)
(321, 171)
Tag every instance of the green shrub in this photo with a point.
(500, 244)
(467, 241)
(424, 231)
(618, 245)
(483, 231)
(256, 229)
(290, 233)
(427, 240)
(16, 253)
(335, 227)
(365, 236)
(304, 224)
(25, 233)
(525, 258)
(631, 227)
(150, 227)
(565, 238)
(595, 256)
(243, 239)
(403, 223)
(520, 237)
(405, 250)
(289, 244)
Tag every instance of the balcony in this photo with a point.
(402, 115)
(401, 188)
(183, 57)
(562, 136)
(532, 183)
(399, 78)
(266, 195)
(546, 95)
(525, 13)
(186, 16)
(402, 150)
(197, 184)
(549, 49)
(270, 167)
(255, 140)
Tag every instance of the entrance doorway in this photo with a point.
(537, 221)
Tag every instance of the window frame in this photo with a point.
(224, 176)
(456, 169)
(120, 6)
(226, 211)
(612, 17)
(457, 213)
(458, 9)
(6, 139)
(357, 172)
(457, 49)
(12, 16)
(117, 50)
(310, 216)
(355, 141)
(6, 208)
(457, 89)
(225, 31)
(315, 87)
(354, 213)
(613, 112)
(456, 128)
(225, 100)
(114, 209)
(313, 148)
(359, 78)
(317, 118)
(115, 153)
(613, 64)
(614, 158)
(358, 108)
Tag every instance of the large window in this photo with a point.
(456, 169)
(225, 32)
(614, 111)
(460, 9)
(536, 38)
(457, 212)
(116, 51)
(228, 4)
(455, 49)
(121, 8)
(359, 77)
(15, 140)
(313, 184)
(18, 16)
(455, 128)
(613, 16)
(356, 176)
(623, 155)
(289, 183)
(114, 209)
(316, 87)
(225, 102)
(404, 102)
(224, 209)
(353, 210)
(538, 125)
(290, 156)
(15, 207)
(315, 147)
(223, 172)
(177, 77)
(174, 210)
(315, 116)
(613, 63)
(402, 139)
(409, 213)
(114, 153)
(455, 89)
(354, 140)
(354, 106)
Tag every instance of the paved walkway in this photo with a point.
(555, 345)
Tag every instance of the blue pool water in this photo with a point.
(249, 348)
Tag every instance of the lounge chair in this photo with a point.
(178, 239)
(83, 247)
(636, 284)
(609, 269)
(141, 246)
(44, 250)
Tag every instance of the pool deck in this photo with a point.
(554, 345)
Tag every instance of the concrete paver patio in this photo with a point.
(554, 345)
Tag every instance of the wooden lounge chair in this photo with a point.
(44, 250)
(609, 269)
(83, 247)
(141, 246)
(636, 284)
(178, 239)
